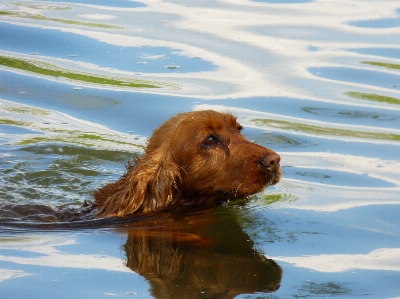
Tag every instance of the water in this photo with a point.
(84, 84)
(141, 59)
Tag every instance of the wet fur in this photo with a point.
(194, 158)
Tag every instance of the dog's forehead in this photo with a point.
(220, 121)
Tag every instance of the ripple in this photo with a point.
(373, 97)
(354, 114)
(277, 140)
(39, 17)
(114, 3)
(49, 70)
(50, 183)
(75, 47)
(334, 177)
(360, 76)
(378, 23)
(381, 52)
(284, 2)
(16, 130)
(323, 130)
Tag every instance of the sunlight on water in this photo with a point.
(84, 83)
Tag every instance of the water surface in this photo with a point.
(318, 82)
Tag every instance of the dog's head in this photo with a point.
(214, 160)
(194, 158)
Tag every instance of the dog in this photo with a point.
(197, 158)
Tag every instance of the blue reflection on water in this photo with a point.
(113, 3)
(284, 1)
(334, 177)
(133, 111)
(50, 42)
(313, 48)
(378, 23)
(361, 76)
(16, 130)
(20, 253)
(323, 34)
(321, 111)
(383, 52)
(62, 277)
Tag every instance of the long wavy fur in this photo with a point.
(150, 184)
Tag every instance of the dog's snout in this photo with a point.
(270, 162)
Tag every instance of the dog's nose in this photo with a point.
(270, 162)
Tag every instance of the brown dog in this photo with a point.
(194, 158)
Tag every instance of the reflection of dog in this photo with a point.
(199, 255)
(195, 158)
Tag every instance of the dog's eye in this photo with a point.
(239, 128)
(209, 142)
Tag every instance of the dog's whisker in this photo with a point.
(237, 189)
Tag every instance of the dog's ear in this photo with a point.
(150, 184)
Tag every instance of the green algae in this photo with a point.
(27, 110)
(6, 13)
(41, 6)
(269, 199)
(373, 97)
(8, 239)
(11, 122)
(320, 130)
(383, 64)
(39, 17)
(46, 69)
(77, 138)
(56, 139)
(96, 137)
(56, 135)
(73, 22)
